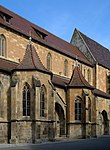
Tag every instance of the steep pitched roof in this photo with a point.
(100, 93)
(7, 65)
(42, 36)
(31, 61)
(100, 53)
(78, 81)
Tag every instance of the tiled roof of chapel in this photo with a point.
(7, 65)
(100, 93)
(26, 28)
(31, 60)
(78, 81)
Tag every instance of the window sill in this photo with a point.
(26, 117)
(77, 121)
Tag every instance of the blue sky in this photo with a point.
(61, 17)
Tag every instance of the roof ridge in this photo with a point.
(71, 76)
(81, 76)
(32, 56)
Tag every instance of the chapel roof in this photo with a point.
(42, 36)
(100, 93)
(31, 60)
(100, 53)
(7, 65)
(78, 81)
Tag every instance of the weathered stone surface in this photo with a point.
(59, 114)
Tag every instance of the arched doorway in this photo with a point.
(105, 122)
(60, 120)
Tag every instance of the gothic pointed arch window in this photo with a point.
(42, 100)
(78, 108)
(108, 84)
(65, 67)
(84, 72)
(2, 45)
(49, 61)
(89, 75)
(89, 109)
(1, 93)
(26, 100)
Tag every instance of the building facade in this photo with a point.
(50, 88)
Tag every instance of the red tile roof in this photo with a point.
(100, 93)
(7, 65)
(31, 61)
(24, 27)
(100, 53)
(78, 81)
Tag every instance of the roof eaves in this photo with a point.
(7, 71)
(100, 93)
(81, 87)
(32, 69)
(107, 67)
(59, 85)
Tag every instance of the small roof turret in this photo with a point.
(31, 60)
(78, 81)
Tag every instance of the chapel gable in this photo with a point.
(78, 41)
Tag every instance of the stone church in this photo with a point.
(50, 89)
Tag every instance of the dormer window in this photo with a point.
(42, 35)
(6, 17)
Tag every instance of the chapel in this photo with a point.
(49, 88)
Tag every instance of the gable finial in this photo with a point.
(30, 40)
(76, 62)
(30, 37)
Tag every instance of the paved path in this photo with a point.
(102, 143)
